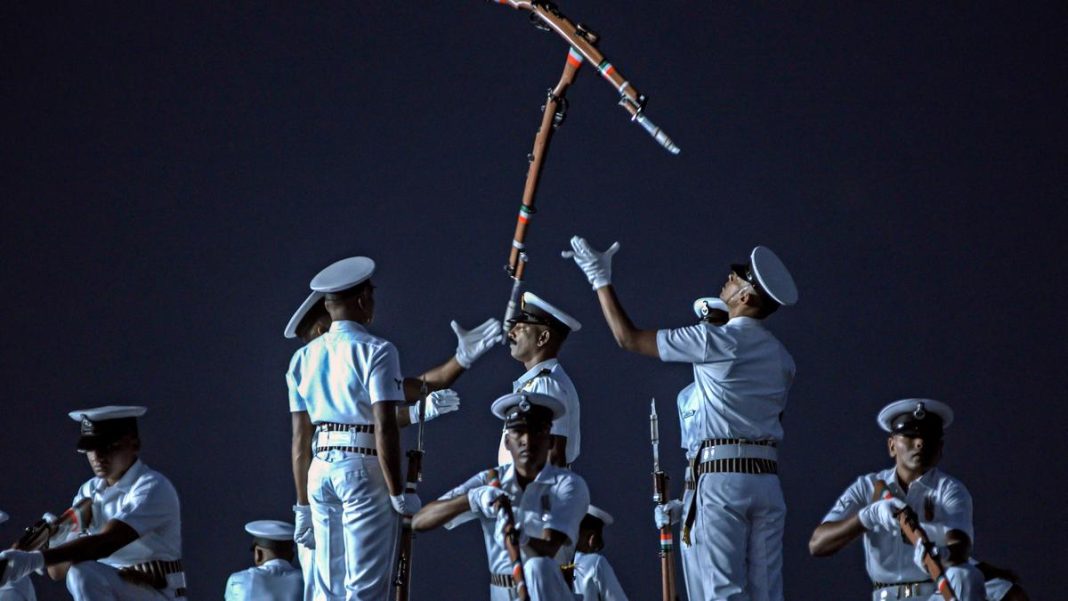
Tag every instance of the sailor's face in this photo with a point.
(529, 447)
(914, 452)
(112, 461)
(523, 340)
(733, 288)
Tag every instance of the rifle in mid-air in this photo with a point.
(582, 47)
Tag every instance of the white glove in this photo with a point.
(20, 564)
(498, 529)
(917, 554)
(596, 265)
(406, 503)
(302, 526)
(472, 344)
(482, 499)
(936, 532)
(880, 515)
(668, 514)
(438, 403)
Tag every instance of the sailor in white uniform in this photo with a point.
(132, 547)
(595, 580)
(20, 590)
(548, 502)
(732, 424)
(536, 335)
(273, 578)
(868, 508)
(348, 398)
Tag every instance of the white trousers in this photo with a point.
(736, 541)
(545, 581)
(95, 581)
(306, 557)
(355, 527)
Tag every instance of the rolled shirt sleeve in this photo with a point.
(150, 505)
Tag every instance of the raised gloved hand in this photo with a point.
(438, 403)
(668, 514)
(596, 265)
(20, 564)
(302, 526)
(406, 503)
(880, 515)
(483, 499)
(472, 344)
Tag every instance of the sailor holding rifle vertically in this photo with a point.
(348, 398)
(547, 503)
(735, 513)
(869, 508)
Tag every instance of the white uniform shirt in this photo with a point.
(689, 404)
(967, 582)
(595, 579)
(742, 374)
(144, 500)
(935, 497)
(557, 499)
(275, 580)
(558, 385)
(337, 376)
(20, 590)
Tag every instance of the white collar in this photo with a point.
(344, 325)
(549, 364)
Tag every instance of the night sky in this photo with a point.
(175, 174)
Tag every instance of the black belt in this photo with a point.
(360, 450)
(879, 585)
(735, 465)
(502, 580)
(336, 427)
(154, 573)
(355, 428)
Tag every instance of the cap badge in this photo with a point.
(920, 411)
(524, 405)
(87, 425)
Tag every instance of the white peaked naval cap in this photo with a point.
(516, 405)
(917, 410)
(538, 310)
(302, 310)
(772, 276)
(600, 514)
(343, 274)
(107, 412)
(270, 530)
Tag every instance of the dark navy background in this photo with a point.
(174, 175)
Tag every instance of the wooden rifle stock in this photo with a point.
(511, 544)
(913, 532)
(402, 582)
(553, 113)
(667, 546)
(36, 536)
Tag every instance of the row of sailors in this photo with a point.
(348, 398)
